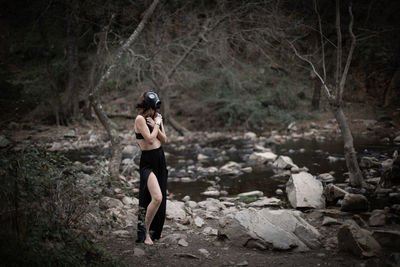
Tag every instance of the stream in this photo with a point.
(183, 162)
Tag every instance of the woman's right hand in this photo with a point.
(158, 119)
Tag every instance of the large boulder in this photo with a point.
(262, 157)
(175, 210)
(354, 202)
(284, 162)
(274, 229)
(356, 240)
(304, 191)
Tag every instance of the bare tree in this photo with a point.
(335, 96)
(95, 99)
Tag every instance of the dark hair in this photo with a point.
(142, 107)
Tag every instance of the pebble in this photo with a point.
(183, 243)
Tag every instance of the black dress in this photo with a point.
(152, 161)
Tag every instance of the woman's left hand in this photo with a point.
(150, 122)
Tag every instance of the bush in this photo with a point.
(43, 208)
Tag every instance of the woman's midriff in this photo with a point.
(144, 146)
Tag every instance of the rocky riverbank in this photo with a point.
(310, 213)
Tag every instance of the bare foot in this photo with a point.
(148, 241)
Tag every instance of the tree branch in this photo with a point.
(328, 93)
(322, 39)
(338, 50)
(350, 55)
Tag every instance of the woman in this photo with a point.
(150, 134)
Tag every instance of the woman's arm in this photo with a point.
(144, 130)
(161, 134)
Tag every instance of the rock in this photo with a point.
(276, 229)
(199, 222)
(247, 169)
(279, 191)
(56, 146)
(377, 218)
(175, 210)
(369, 162)
(4, 141)
(173, 238)
(210, 231)
(121, 233)
(110, 203)
(130, 201)
(265, 201)
(284, 162)
(251, 194)
(186, 198)
(333, 192)
(70, 133)
(138, 252)
(332, 159)
(242, 263)
(352, 238)
(396, 140)
(211, 193)
(202, 157)
(262, 157)
(326, 177)
(354, 202)
(329, 221)
(129, 149)
(204, 252)
(192, 204)
(250, 135)
(183, 243)
(231, 168)
(388, 239)
(304, 191)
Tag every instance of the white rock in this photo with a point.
(210, 231)
(183, 243)
(121, 233)
(250, 135)
(251, 194)
(277, 229)
(284, 162)
(130, 201)
(129, 149)
(192, 204)
(396, 140)
(304, 191)
(326, 177)
(262, 157)
(265, 201)
(202, 157)
(199, 222)
(175, 210)
(213, 193)
(230, 168)
(204, 252)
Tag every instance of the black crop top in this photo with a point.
(140, 136)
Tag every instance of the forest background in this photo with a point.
(242, 73)
(218, 65)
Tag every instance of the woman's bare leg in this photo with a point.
(156, 198)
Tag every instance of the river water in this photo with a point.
(304, 153)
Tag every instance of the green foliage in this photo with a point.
(249, 98)
(43, 208)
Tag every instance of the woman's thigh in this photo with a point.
(154, 187)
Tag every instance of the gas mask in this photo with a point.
(152, 100)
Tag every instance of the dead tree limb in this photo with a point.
(95, 99)
(336, 101)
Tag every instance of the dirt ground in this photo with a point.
(222, 253)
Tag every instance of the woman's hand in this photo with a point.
(158, 119)
(150, 121)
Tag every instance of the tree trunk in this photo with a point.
(394, 85)
(72, 57)
(356, 178)
(95, 101)
(316, 95)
